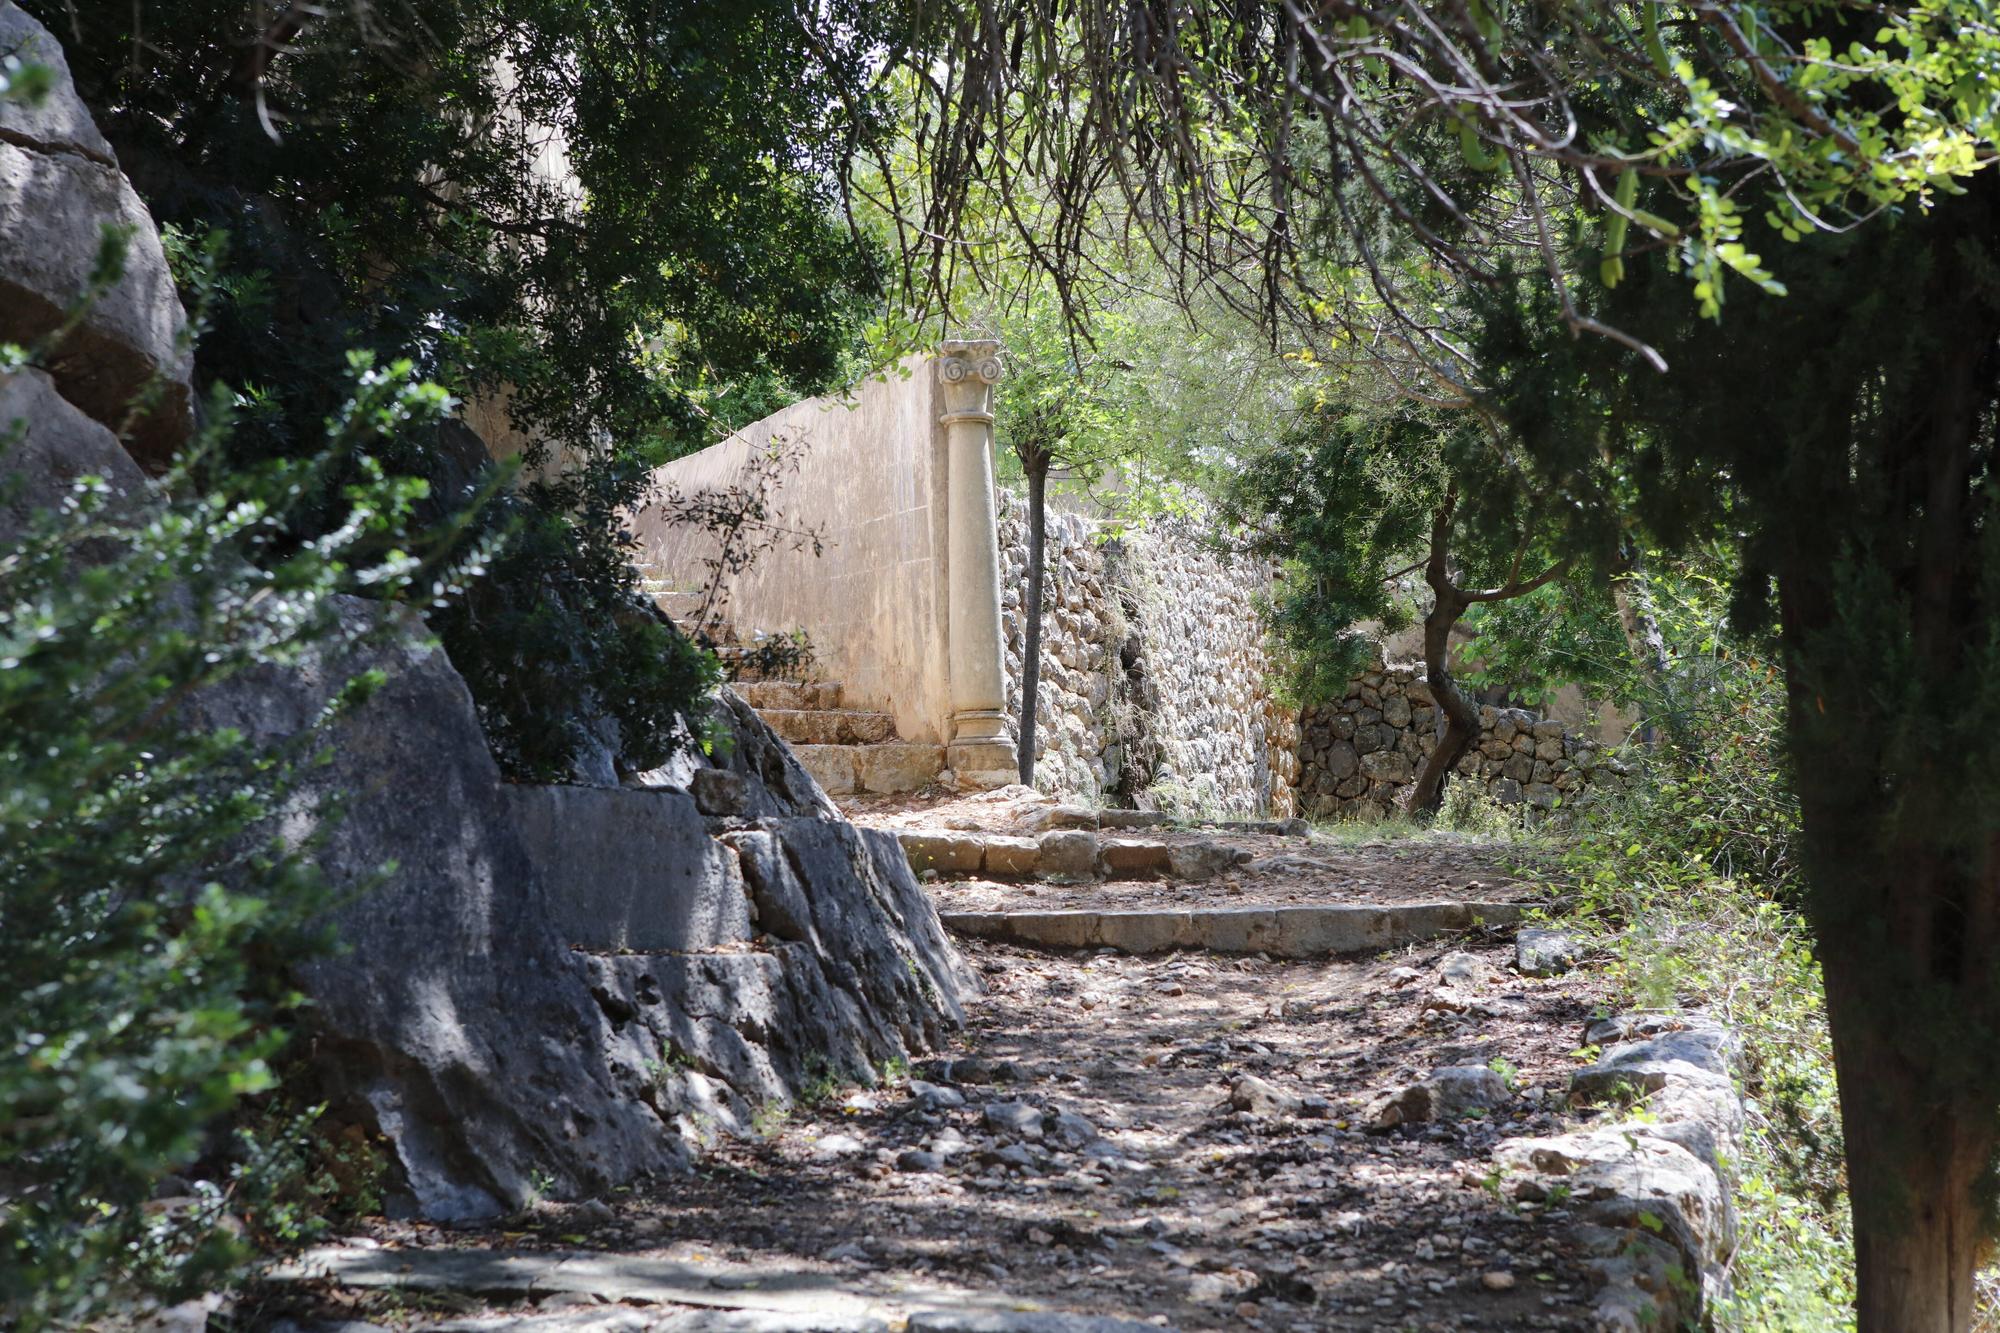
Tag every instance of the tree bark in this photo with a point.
(1917, 1150)
(1449, 601)
(1647, 645)
(1461, 719)
(1037, 468)
(1635, 616)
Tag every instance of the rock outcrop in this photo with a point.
(567, 984)
(535, 989)
(61, 192)
(49, 446)
(1652, 1196)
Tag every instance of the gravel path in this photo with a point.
(1080, 1152)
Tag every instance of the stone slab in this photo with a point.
(1133, 856)
(808, 1300)
(829, 726)
(832, 766)
(631, 869)
(943, 852)
(1006, 855)
(1133, 819)
(897, 766)
(1068, 852)
(762, 694)
(1286, 932)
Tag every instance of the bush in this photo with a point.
(146, 905)
(1691, 876)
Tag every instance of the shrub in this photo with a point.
(1691, 875)
(145, 901)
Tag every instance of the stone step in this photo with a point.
(679, 604)
(1282, 932)
(768, 1296)
(1068, 854)
(742, 664)
(889, 766)
(830, 726)
(761, 694)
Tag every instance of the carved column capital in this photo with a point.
(969, 368)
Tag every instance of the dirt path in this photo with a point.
(1111, 1176)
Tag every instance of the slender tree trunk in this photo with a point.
(1635, 616)
(1461, 719)
(1031, 650)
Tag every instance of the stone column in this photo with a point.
(979, 752)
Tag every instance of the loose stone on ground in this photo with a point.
(1199, 1160)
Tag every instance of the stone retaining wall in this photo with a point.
(1155, 685)
(1359, 753)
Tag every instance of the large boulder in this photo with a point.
(458, 1017)
(60, 189)
(453, 1016)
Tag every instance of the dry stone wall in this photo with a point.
(1155, 685)
(1360, 752)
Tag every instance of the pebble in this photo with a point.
(917, 1160)
(593, 1213)
(1497, 1279)
(1016, 1118)
(935, 1096)
(1262, 1098)
(1071, 1130)
(837, 1145)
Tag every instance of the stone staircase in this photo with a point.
(847, 750)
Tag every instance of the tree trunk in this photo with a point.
(1461, 719)
(1031, 649)
(1917, 1154)
(1888, 614)
(1635, 616)
(1647, 645)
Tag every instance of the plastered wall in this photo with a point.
(870, 479)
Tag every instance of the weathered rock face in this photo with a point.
(1154, 680)
(1359, 753)
(59, 188)
(582, 983)
(55, 445)
(763, 940)
(454, 1016)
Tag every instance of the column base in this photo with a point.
(982, 764)
(980, 724)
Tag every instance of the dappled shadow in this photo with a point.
(1201, 1215)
